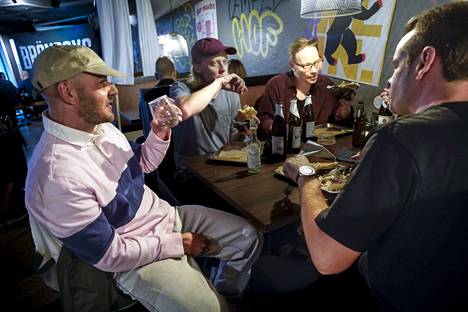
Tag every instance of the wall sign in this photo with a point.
(30, 45)
(205, 19)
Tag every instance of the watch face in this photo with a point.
(306, 170)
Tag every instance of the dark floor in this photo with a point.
(23, 289)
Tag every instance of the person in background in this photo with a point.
(25, 86)
(209, 101)
(12, 160)
(235, 66)
(165, 71)
(303, 79)
(85, 190)
(411, 228)
(2, 76)
(31, 102)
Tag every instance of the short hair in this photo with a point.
(444, 28)
(235, 66)
(164, 66)
(299, 44)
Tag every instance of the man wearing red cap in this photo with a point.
(208, 108)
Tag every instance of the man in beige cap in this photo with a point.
(85, 191)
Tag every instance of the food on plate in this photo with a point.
(233, 154)
(323, 165)
(326, 131)
(344, 90)
(246, 113)
(334, 181)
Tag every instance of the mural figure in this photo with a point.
(339, 33)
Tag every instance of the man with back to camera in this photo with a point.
(165, 71)
(413, 223)
(85, 190)
(209, 101)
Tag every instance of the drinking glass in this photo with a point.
(165, 111)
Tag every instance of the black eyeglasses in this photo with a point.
(306, 67)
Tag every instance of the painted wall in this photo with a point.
(263, 29)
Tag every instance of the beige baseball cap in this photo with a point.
(61, 62)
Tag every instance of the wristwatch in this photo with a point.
(305, 171)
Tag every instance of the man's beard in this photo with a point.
(92, 113)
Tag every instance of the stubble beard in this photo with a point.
(92, 113)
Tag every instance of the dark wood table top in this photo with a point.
(268, 200)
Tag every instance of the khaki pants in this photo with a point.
(178, 284)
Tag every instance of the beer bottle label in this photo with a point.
(384, 119)
(310, 127)
(277, 145)
(253, 157)
(296, 137)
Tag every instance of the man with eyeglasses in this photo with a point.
(303, 79)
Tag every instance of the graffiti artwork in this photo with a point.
(354, 46)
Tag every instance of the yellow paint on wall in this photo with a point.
(366, 76)
(323, 24)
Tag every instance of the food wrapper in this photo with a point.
(344, 90)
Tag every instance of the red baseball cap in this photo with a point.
(207, 47)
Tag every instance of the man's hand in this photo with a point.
(233, 83)
(291, 166)
(344, 110)
(385, 95)
(167, 116)
(195, 244)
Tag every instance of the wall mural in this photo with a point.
(184, 24)
(256, 33)
(354, 46)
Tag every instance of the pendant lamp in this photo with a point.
(329, 8)
(174, 44)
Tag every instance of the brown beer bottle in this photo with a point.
(385, 115)
(308, 120)
(294, 128)
(359, 129)
(278, 135)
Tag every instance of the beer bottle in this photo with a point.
(359, 129)
(385, 115)
(308, 123)
(278, 137)
(294, 128)
(253, 149)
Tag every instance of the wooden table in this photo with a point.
(269, 201)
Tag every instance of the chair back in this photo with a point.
(146, 96)
(163, 179)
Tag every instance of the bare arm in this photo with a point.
(197, 101)
(328, 255)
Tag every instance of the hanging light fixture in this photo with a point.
(329, 8)
(174, 44)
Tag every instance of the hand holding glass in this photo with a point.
(165, 112)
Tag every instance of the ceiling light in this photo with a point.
(329, 8)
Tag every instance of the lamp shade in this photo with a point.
(174, 45)
(329, 8)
